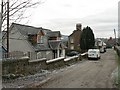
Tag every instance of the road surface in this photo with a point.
(88, 74)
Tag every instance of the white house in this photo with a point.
(39, 42)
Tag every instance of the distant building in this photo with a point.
(74, 38)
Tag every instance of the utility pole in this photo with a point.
(7, 26)
(1, 16)
(115, 37)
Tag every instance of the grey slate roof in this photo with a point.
(41, 47)
(25, 29)
(54, 33)
(55, 44)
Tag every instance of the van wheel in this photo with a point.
(99, 57)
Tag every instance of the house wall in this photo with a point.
(44, 54)
(34, 38)
(74, 40)
(17, 42)
(46, 41)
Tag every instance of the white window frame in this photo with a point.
(40, 39)
(71, 40)
(72, 47)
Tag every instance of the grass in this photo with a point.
(119, 72)
(118, 62)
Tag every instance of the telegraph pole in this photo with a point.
(115, 37)
(1, 16)
(7, 26)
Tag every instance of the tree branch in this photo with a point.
(17, 10)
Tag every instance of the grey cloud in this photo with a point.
(103, 22)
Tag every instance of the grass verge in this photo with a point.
(118, 72)
(118, 78)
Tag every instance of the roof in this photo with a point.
(74, 32)
(54, 33)
(41, 47)
(25, 29)
(56, 44)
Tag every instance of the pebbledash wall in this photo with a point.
(28, 67)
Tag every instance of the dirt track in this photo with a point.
(88, 74)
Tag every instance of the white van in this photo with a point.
(94, 53)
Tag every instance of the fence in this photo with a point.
(32, 55)
(14, 55)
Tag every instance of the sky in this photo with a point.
(63, 15)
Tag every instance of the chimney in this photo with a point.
(79, 26)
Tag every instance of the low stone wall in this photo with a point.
(117, 48)
(28, 67)
(35, 66)
(116, 72)
(55, 63)
(73, 59)
(18, 66)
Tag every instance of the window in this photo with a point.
(72, 47)
(39, 56)
(40, 39)
(72, 41)
(47, 53)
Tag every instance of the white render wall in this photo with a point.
(17, 42)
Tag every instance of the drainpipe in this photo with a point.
(58, 53)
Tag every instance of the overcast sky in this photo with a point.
(63, 15)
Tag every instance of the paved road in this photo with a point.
(88, 74)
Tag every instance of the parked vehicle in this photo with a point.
(101, 45)
(93, 54)
(72, 53)
(102, 49)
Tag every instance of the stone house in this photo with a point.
(37, 42)
(74, 38)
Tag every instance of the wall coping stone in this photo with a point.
(70, 58)
(37, 60)
(54, 60)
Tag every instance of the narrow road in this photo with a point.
(88, 74)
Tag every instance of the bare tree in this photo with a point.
(13, 11)
(17, 9)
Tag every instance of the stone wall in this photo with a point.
(117, 48)
(14, 66)
(28, 67)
